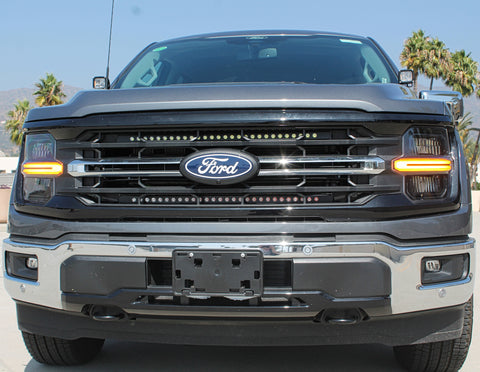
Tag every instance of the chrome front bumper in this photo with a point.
(407, 292)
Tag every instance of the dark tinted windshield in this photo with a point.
(242, 59)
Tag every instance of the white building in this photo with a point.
(8, 164)
(8, 167)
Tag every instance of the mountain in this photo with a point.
(7, 99)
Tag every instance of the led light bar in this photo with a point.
(166, 199)
(220, 199)
(422, 165)
(273, 199)
(239, 135)
(43, 168)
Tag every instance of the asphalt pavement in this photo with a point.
(128, 356)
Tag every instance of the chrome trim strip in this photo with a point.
(128, 161)
(468, 279)
(368, 165)
(322, 159)
(268, 248)
(82, 173)
(320, 171)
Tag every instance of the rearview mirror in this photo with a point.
(101, 82)
(405, 77)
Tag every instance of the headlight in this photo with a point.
(426, 163)
(427, 141)
(39, 168)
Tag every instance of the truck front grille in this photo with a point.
(298, 166)
(128, 167)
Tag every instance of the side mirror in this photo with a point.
(454, 100)
(405, 77)
(101, 82)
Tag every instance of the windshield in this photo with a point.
(246, 59)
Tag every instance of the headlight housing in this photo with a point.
(39, 168)
(426, 163)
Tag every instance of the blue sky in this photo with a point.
(69, 38)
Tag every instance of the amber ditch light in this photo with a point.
(43, 168)
(422, 165)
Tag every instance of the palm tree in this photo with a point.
(478, 85)
(473, 164)
(438, 58)
(469, 143)
(413, 55)
(49, 91)
(17, 118)
(462, 74)
(463, 128)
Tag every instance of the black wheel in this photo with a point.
(60, 352)
(443, 356)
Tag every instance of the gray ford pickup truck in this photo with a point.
(246, 188)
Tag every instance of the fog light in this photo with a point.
(432, 265)
(32, 263)
(445, 268)
(21, 266)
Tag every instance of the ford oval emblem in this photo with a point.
(219, 166)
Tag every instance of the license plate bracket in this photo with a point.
(217, 273)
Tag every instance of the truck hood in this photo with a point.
(382, 98)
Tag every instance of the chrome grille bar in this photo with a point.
(363, 165)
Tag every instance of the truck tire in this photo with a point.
(60, 352)
(443, 356)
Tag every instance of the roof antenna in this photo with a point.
(109, 46)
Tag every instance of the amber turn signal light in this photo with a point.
(44, 168)
(422, 165)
